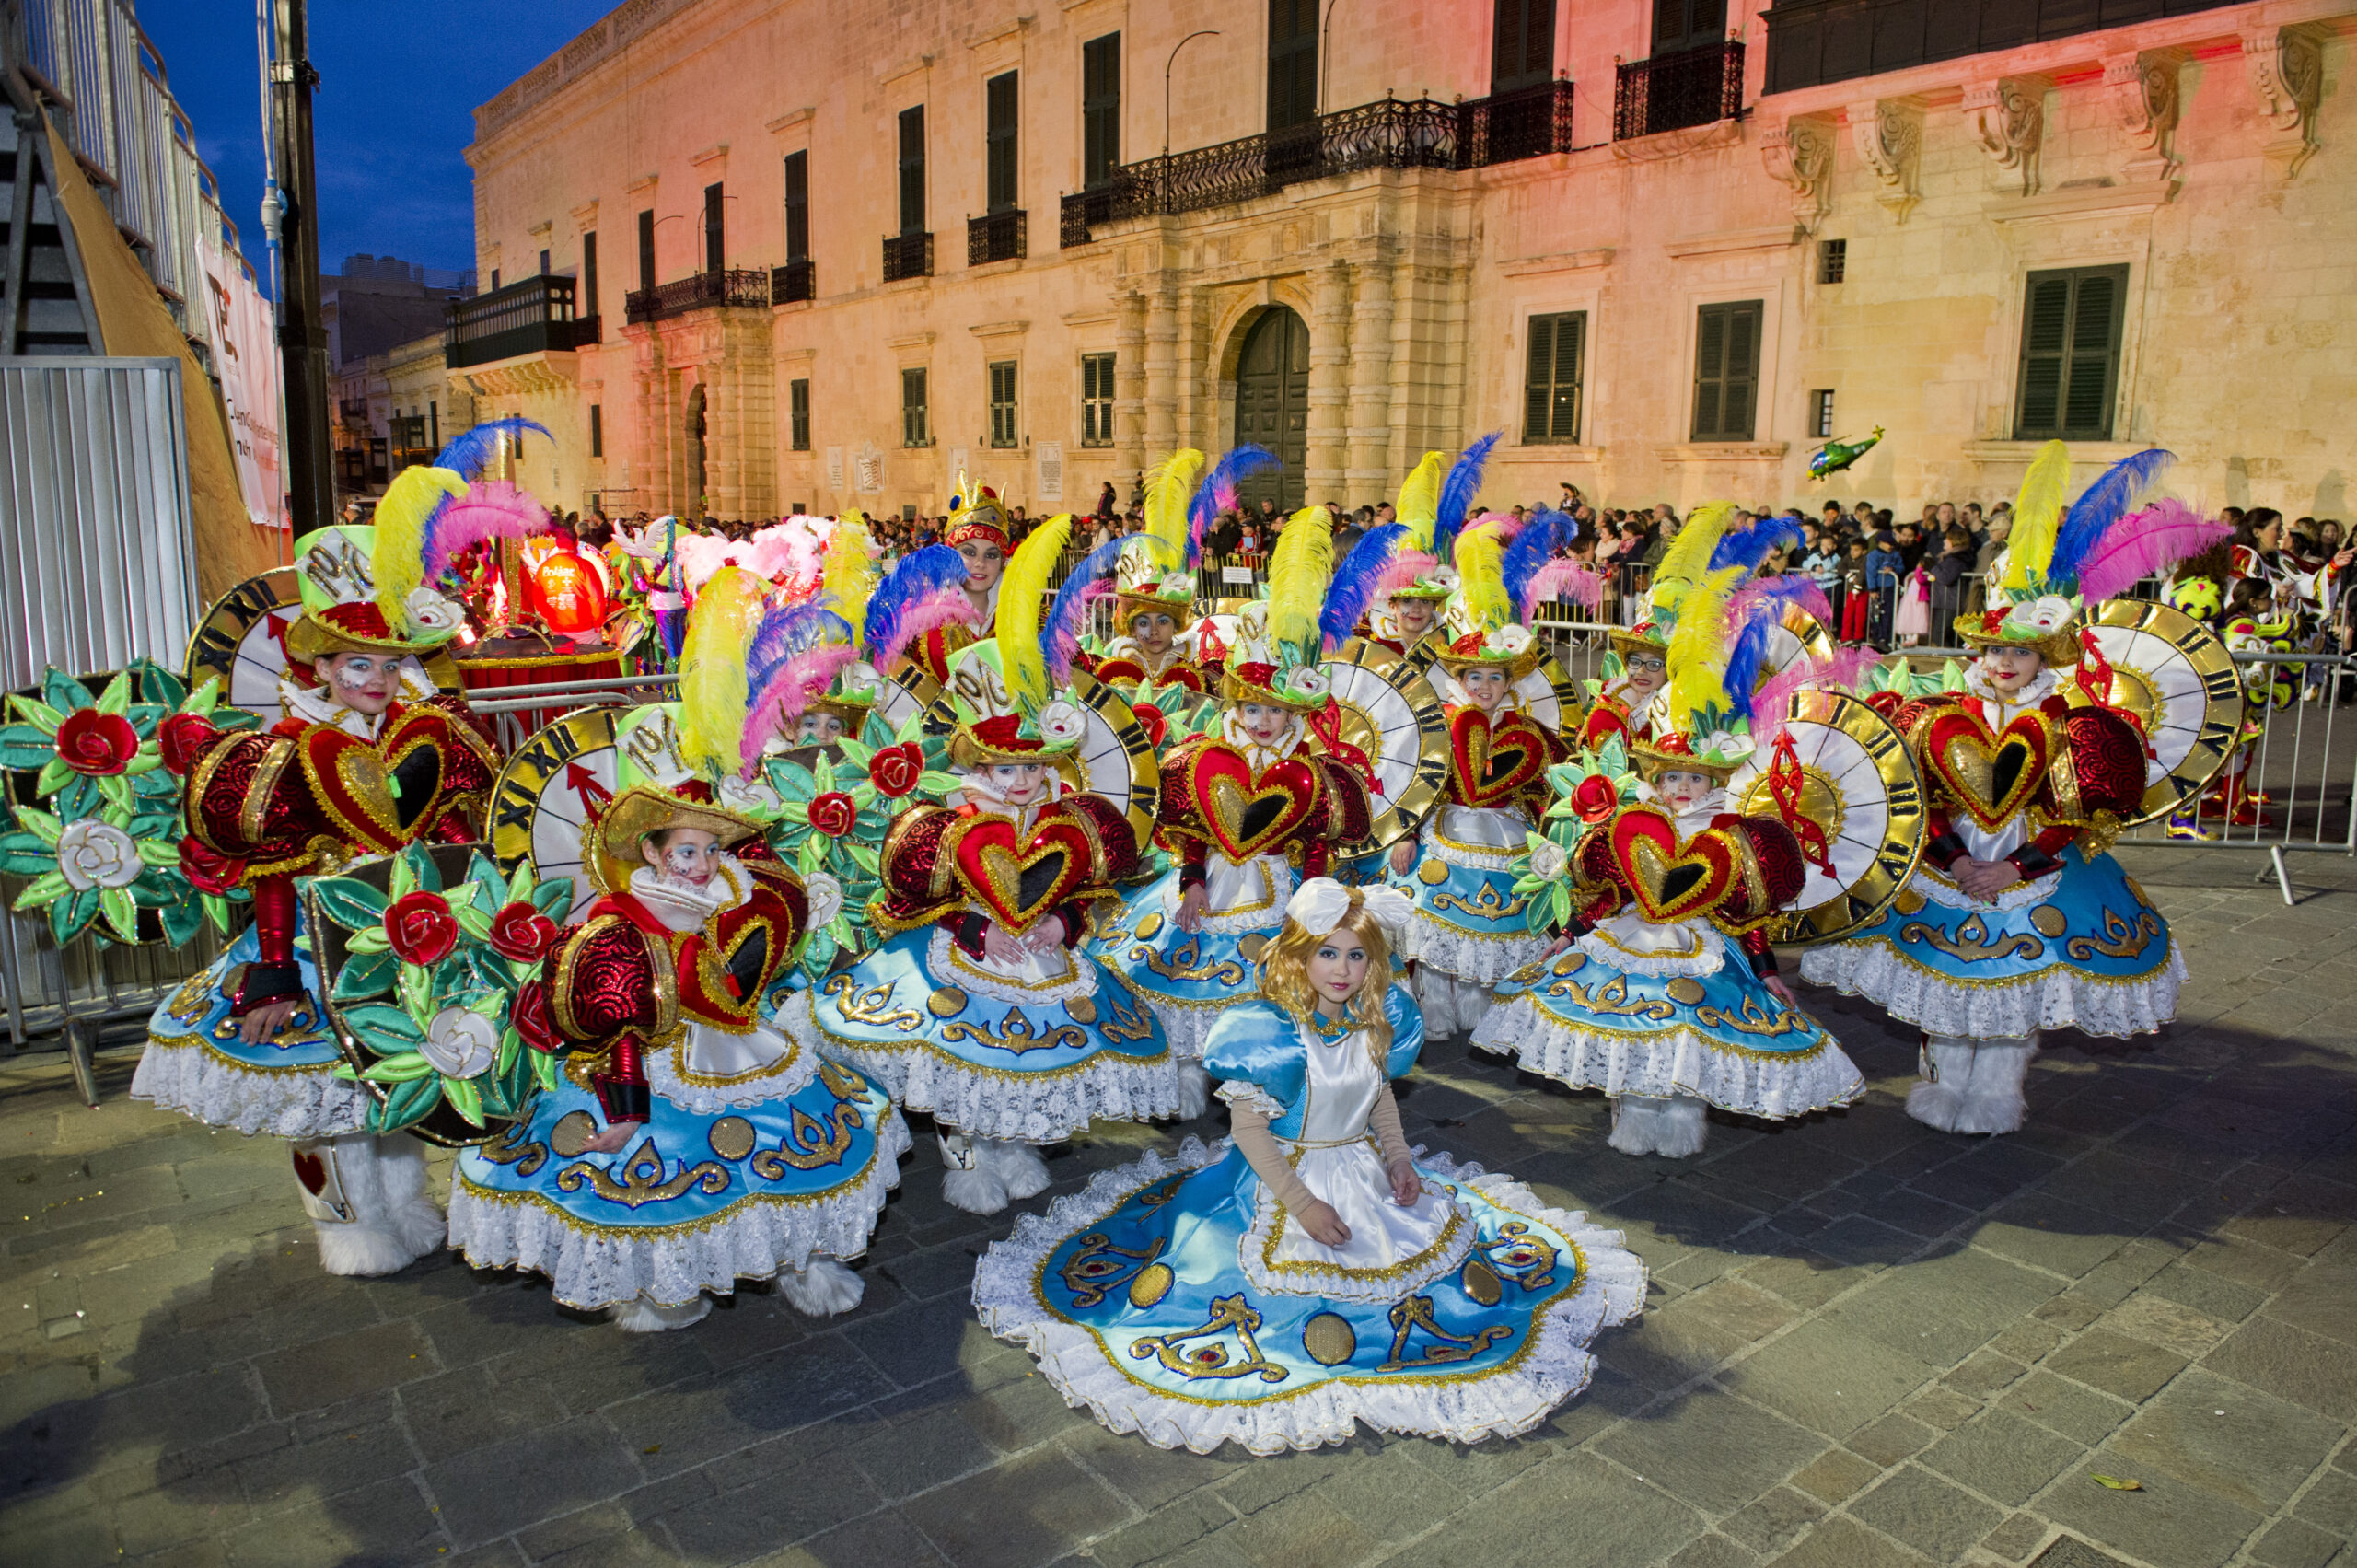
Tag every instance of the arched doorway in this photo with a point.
(696, 424)
(1272, 402)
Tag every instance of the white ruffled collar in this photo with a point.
(1695, 817)
(2042, 686)
(1232, 731)
(682, 907)
(312, 704)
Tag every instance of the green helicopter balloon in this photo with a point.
(1835, 456)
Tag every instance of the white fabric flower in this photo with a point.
(92, 853)
(1061, 721)
(2049, 613)
(429, 611)
(826, 896)
(755, 796)
(1309, 681)
(1725, 746)
(1549, 862)
(461, 1043)
(1511, 638)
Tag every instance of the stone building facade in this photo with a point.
(790, 255)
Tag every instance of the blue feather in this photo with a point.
(1749, 546)
(923, 573)
(2104, 503)
(1546, 531)
(1457, 491)
(1060, 633)
(1216, 492)
(785, 631)
(1356, 580)
(470, 450)
(1744, 659)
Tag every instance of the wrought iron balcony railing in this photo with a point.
(1394, 134)
(794, 283)
(1675, 92)
(698, 291)
(531, 316)
(908, 256)
(995, 236)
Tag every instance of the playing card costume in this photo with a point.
(1188, 1301)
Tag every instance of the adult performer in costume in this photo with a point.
(978, 532)
(983, 1007)
(2017, 921)
(1317, 1272)
(1248, 809)
(369, 758)
(1622, 700)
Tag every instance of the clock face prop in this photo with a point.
(242, 643)
(2177, 681)
(546, 795)
(1387, 722)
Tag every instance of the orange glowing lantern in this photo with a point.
(568, 593)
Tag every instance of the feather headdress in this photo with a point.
(1021, 591)
(2101, 505)
(713, 680)
(2038, 515)
(1089, 581)
(490, 510)
(1687, 563)
(1542, 534)
(1298, 569)
(2146, 542)
(1480, 567)
(794, 655)
(848, 574)
(1407, 566)
(1219, 490)
(925, 591)
(1457, 492)
(1419, 501)
(470, 450)
(1169, 488)
(1358, 578)
(398, 561)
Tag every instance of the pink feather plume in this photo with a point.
(1063, 646)
(1805, 592)
(1771, 704)
(1566, 579)
(492, 510)
(1405, 568)
(2145, 542)
(943, 607)
(782, 698)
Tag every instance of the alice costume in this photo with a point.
(266, 809)
(2040, 779)
(749, 1158)
(1183, 1300)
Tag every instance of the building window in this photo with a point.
(1551, 401)
(797, 206)
(2071, 330)
(797, 402)
(715, 246)
(434, 425)
(588, 303)
(597, 430)
(1522, 44)
(646, 249)
(1832, 260)
(1727, 371)
(999, 140)
(495, 279)
(544, 263)
(916, 415)
(913, 170)
(1687, 24)
(1100, 109)
(1095, 399)
(1002, 373)
(1293, 63)
(1820, 414)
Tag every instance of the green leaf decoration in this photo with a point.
(402, 881)
(474, 922)
(866, 859)
(409, 1104)
(55, 774)
(398, 1069)
(68, 918)
(182, 919)
(41, 825)
(155, 851)
(858, 754)
(364, 975)
(547, 1070)
(38, 716)
(43, 890)
(160, 686)
(415, 988)
(813, 854)
(122, 914)
(63, 694)
(465, 1099)
(510, 1043)
(551, 899)
(934, 783)
(116, 791)
(218, 909)
(420, 859)
(116, 698)
(377, 1020)
(350, 903)
(369, 939)
(143, 762)
(204, 699)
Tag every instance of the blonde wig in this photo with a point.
(1284, 976)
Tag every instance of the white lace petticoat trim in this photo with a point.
(708, 1098)
(1710, 958)
(1674, 1062)
(1483, 959)
(944, 960)
(593, 1268)
(1938, 889)
(313, 1103)
(1470, 857)
(2058, 997)
(1251, 1097)
(1500, 1404)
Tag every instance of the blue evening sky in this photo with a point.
(399, 86)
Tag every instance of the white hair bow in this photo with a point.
(1319, 905)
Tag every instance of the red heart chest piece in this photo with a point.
(1249, 814)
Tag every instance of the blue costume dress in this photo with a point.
(1029, 1052)
(1666, 1007)
(751, 1158)
(1183, 1300)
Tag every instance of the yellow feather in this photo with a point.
(849, 573)
(1482, 584)
(1299, 569)
(1697, 649)
(2038, 517)
(397, 562)
(1169, 488)
(1419, 501)
(712, 671)
(1022, 600)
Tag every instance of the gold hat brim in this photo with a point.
(2059, 648)
(1651, 762)
(311, 638)
(643, 809)
(1126, 604)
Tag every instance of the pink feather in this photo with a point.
(1804, 592)
(1405, 568)
(943, 607)
(1771, 704)
(781, 699)
(1566, 579)
(2145, 542)
(492, 510)
(1065, 647)
(790, 549)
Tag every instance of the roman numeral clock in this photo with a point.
(242, 643)
(548, 793)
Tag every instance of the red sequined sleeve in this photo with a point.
(920, 886)
(2108, 756)
(248, 800)
(602, 988)
(1114, 834)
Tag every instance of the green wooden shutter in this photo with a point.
(2072, 323)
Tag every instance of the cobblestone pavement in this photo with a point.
(1866, 1344)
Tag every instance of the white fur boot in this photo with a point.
(1674, 1127)
(1938, 1099)
(1992, 1100)
(1194, 1090)
(821, 1290)
(366, 1198)
(1021, 1169)
(1450, 1005)
(966, 1183)
(640, 1315)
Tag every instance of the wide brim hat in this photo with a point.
(1675, 754)
(1302, 689)
(1149, 599)
(643, 809)
(1486, 650)
(351, 629)
(335, 570)
(1644, 637)
(2048, 626)
(993, 727)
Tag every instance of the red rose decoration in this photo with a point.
(534, 1020)
(518, 931)
(834, 814)
(208, 870)
(420, 928)
(96, 743)
(895, 770)
(1594, 799)
(1150, 718)
(181, 737)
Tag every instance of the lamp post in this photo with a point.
(1325, 55)
(1166, 66)
(302, 339)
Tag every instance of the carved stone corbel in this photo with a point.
(1799, 154)
(1889, 134)
(2143, 88)
(2008, 118)
(2286, 70)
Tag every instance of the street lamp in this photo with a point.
(1201, 32)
